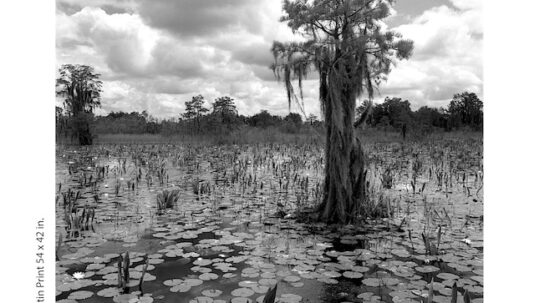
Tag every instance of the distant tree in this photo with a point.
(145, 115)
(194, 110)
(263, 119)
(467, 109)
(81, 87)
(398, 111)
(432, 117)
(292, 123)
(225, 111)
(348, 46)
(224, 106)
(312, 119)
(294, 118)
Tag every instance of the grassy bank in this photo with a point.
(274, 135)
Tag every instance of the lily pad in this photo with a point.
(80, 295)
(372, 282)
(292, 279)
(447, 276)
(208, 276)
(212, 293)
(242, 292)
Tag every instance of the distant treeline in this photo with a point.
(465, 110)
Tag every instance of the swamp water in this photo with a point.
(232, 234)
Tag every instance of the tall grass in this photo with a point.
(254, 135)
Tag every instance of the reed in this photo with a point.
(167, 199)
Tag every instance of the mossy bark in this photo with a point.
(345, 161)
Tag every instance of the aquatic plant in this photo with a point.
(167, 199)
(248, 185)
(270, 295)
(123, 272)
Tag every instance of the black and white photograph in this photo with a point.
(238, 151)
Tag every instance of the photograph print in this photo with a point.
(268, 151)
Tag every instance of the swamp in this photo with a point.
(226, 223)
(363, 184)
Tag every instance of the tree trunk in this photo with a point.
(345, 162)
(85, 136)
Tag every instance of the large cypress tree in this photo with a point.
(352, 53)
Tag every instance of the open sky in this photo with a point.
(155, 54)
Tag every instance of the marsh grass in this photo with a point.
(167, 199)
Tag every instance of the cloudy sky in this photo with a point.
(155, 54)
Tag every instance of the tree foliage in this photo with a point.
(467, 109)
(224, 106)
(346, 43)
(225, 112)
(81, 88)
(195, 109)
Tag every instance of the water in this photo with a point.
(233, 235)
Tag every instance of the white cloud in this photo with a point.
(467, 4)
(157, 65)
(447, 57)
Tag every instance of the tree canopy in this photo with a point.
(345, 43)
(467, 109)
(81, 87)
(195, 108)
(224, 106)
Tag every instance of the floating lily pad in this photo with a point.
(248, 284)
(80, 295)
(132, 298)
(372, 282)
(289, 298)
(352, 275)
(242, 292)
(240, 300)
(447, 276)
(267, 282)
(155, 261)
(426, 269)
(180, 288)
(208, 276)
(212, 293)
(108, 292)
(328, 280)
(173, 282)
(292, 279)
(201, 300)
(202, 262)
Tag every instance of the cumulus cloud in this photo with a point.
(111, 7)
(447, 56)
(193, 18)
(155, 55)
